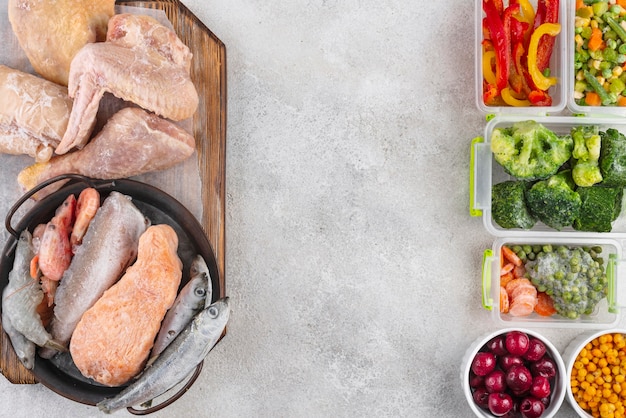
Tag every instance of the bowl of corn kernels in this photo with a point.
(596, 373)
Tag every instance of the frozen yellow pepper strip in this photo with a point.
(542, 82)
(488, 74)
(528, 12)
(512, 101)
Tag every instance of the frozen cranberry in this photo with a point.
(519, 379)
(496, 346)
(517, 343)
(484, 362)
(531, 408)
(500, 404)
(540, 387)
(544, 367)
(476, 381)
(495, 381)
(481, 397)
(536, 350)
(509, 360)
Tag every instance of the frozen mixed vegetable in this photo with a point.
(600, 53)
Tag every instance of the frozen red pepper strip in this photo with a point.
(547, 12)
(501, 42)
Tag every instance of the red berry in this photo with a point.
(519, 379)
(540, 387)
(495, 381)
(517, 343)
(496, 346)
(531, 408)
(500, 404)
(484, 362)
(481, 397)
(544, 367)
(536, 350)
(509, 360)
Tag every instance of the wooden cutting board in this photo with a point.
(208, 72)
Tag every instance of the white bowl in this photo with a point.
(558, 391)
(569, 357)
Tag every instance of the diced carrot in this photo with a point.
(507, 268)
(592, 99)
(506, 278)
(545, 305)
(621, 100)
(595, 40)
(510, 255)
(504, 300)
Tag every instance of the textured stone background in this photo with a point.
(353, 265)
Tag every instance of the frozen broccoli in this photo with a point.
(600, 207)
(530, 151)
(554, 201)
(508, 205)
(586, 155)
(613, 158)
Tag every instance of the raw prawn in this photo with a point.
(55, 252)
(194, 296)
(22, 296)
(522, 297)
(86, 208)
(23, 347)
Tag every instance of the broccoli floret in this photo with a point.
(613, 158)
(600, 207)
(586, 155)
(530, 151)
(508, 205)
(554, 201)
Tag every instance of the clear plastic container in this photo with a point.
(607, 311)
(571, 103)
(558, 69)
(485, 172)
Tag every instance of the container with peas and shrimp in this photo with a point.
(557, 282)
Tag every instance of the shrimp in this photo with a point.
(22, 295)
(55, 252)
(522, 295)
(86, 208)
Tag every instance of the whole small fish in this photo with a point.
(177, 361)
(109, 246)
(23, 347)
(193, 297)
(22, 295)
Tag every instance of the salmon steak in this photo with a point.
(113, 339)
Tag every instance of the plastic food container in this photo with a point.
(485, 172)
(569, 358)
(558, 387)
(607, 311)
(571, 103)
(558, 68)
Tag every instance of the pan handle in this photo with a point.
(31, 192)
(171, 400)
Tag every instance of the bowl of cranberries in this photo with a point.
(513, 373)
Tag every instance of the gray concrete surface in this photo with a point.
(353, 265)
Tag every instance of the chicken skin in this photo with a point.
(132, 142)
(52, 32)
(142, 62)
